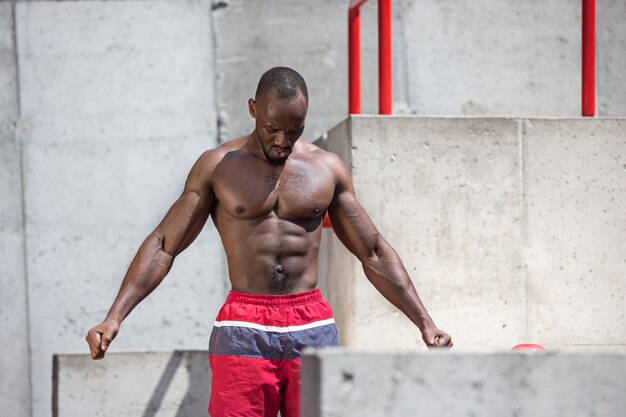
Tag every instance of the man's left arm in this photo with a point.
(380, 261)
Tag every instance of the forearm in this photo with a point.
(385, 271)
(150, 265)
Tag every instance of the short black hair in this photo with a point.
(285, 81)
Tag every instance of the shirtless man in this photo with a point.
(267, 194)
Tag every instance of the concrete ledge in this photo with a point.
(348, 383)
(143, 384)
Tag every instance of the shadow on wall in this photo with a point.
(195, 400)
(147, 384)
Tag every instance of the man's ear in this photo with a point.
(252, 108)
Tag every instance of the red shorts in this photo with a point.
(255, 350)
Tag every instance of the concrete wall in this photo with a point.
(509, 58)
(146, 384)
(511, 229)
(494, 58)
(14, 361)
(117, 102)
(611, 60)
(251, 37)
(310, 36)
(346, 384)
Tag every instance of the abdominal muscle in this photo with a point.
(271, 255)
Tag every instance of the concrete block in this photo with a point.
(446, 194)
(117, 102)
(14, 361)
(576, 202)
(352, 383)
(511, 230)
(155, 384)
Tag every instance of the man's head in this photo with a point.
(279, 107)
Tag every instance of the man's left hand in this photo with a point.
(435, 338)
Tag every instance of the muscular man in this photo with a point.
(267, 194)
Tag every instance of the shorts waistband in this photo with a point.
(275, 300)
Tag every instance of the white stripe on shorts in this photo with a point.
(276, 329)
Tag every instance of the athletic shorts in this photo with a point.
(255, 349)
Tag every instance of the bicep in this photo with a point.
(183, 222)
(187, 216)
(351, 223)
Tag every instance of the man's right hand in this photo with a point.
(100, 337)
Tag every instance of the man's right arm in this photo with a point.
(178, 229)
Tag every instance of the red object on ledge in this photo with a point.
(327, 222)
(529, 346)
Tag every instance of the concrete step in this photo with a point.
(132, 384)
(379, 384)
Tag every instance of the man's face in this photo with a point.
(279, 124)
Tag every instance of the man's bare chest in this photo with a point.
(294, 190)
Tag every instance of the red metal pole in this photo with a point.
(384, 56)
(354, 57)
(589, 58)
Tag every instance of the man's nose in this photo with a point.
(282, 140)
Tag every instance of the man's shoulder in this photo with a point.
(207, 162)
(318, 154)
(213, 156)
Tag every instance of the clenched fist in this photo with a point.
(433, 337)
(100, 337)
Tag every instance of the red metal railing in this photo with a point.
(588, 100)
(589, 58)
(384, 56)
(354, 61)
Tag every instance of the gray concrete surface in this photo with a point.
(117, 104)
(509, 58)
(142, 384)
(251, 37)
(14, 361)
(511, 229)
(351, 383)
(310, 36)
(576, 210)
(494, 58)
(611, 59)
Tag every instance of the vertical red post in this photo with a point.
(354, 58)
(384, 56)
(589, 58)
